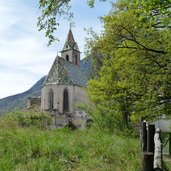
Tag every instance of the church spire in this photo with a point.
(70, 37)
(70, 50)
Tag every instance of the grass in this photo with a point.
(33, 149)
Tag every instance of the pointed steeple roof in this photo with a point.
(70, 37)
(70, 42)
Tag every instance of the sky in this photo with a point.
(24, 54)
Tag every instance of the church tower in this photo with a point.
(70, 51)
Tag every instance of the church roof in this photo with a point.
(64, 72)
(70, 42)
(70, 37)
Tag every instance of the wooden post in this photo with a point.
(150, 138)
(158, 151)
(144, 137)
(147, 161)
(169, 144)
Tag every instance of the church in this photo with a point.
(65, 87)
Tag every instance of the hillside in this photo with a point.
(19, 101)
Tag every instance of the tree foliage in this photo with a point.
(51, 12)
(26, 118)
(136, 70)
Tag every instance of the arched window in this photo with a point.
(65, 101)
(67, 57)
(76, 60)
(51, 99)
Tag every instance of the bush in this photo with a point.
(105, 118)
(32, 117)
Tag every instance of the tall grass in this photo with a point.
(34, 149)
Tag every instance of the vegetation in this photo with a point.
(26, 118)
(33, 148)
(134, 73)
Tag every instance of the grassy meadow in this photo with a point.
(37, 149)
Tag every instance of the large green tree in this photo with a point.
(136, 70)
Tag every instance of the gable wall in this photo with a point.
(76, 95)
(80, 95)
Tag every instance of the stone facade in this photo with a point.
(33, 102)
(65, 87)
(76, 94)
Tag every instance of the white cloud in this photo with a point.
(26, 60)
(24, 56)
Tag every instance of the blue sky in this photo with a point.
(24, 55)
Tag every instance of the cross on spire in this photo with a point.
(72, 24)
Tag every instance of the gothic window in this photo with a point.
(65, 101)
(51, 99)
(67, 57)
(76, 60)
(66, 46)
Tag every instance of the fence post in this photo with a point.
(150, 138)
(169, 144)
(158, 151)
(147, 157)
(147, 161)
(147, 142)
(144, 136)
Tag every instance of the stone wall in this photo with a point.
(77, 95)
(78, 119)
(33, 102)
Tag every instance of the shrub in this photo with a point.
(105, 118)
(32, 117)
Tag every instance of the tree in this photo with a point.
(136, 69)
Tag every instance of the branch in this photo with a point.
(138, 43)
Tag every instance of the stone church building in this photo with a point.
(65, 87)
